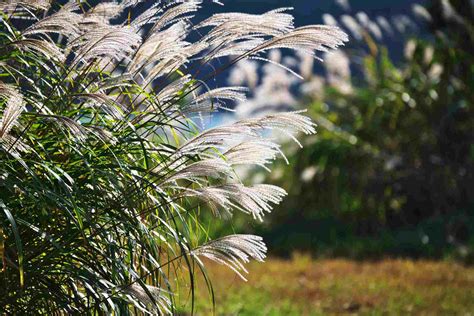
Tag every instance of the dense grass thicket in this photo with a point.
(103, 170)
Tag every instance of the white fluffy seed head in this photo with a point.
(254, 200)
(14, 106)
(64, 22)
(233, 251)
(153, 296)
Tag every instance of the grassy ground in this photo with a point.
(302, 286)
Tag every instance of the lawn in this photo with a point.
(302, 286)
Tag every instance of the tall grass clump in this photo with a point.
(103, 170)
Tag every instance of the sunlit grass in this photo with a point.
(302, 286)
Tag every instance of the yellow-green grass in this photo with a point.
(302, 286)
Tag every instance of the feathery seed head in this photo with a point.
(234, 251)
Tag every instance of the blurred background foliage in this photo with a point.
(390, 172)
